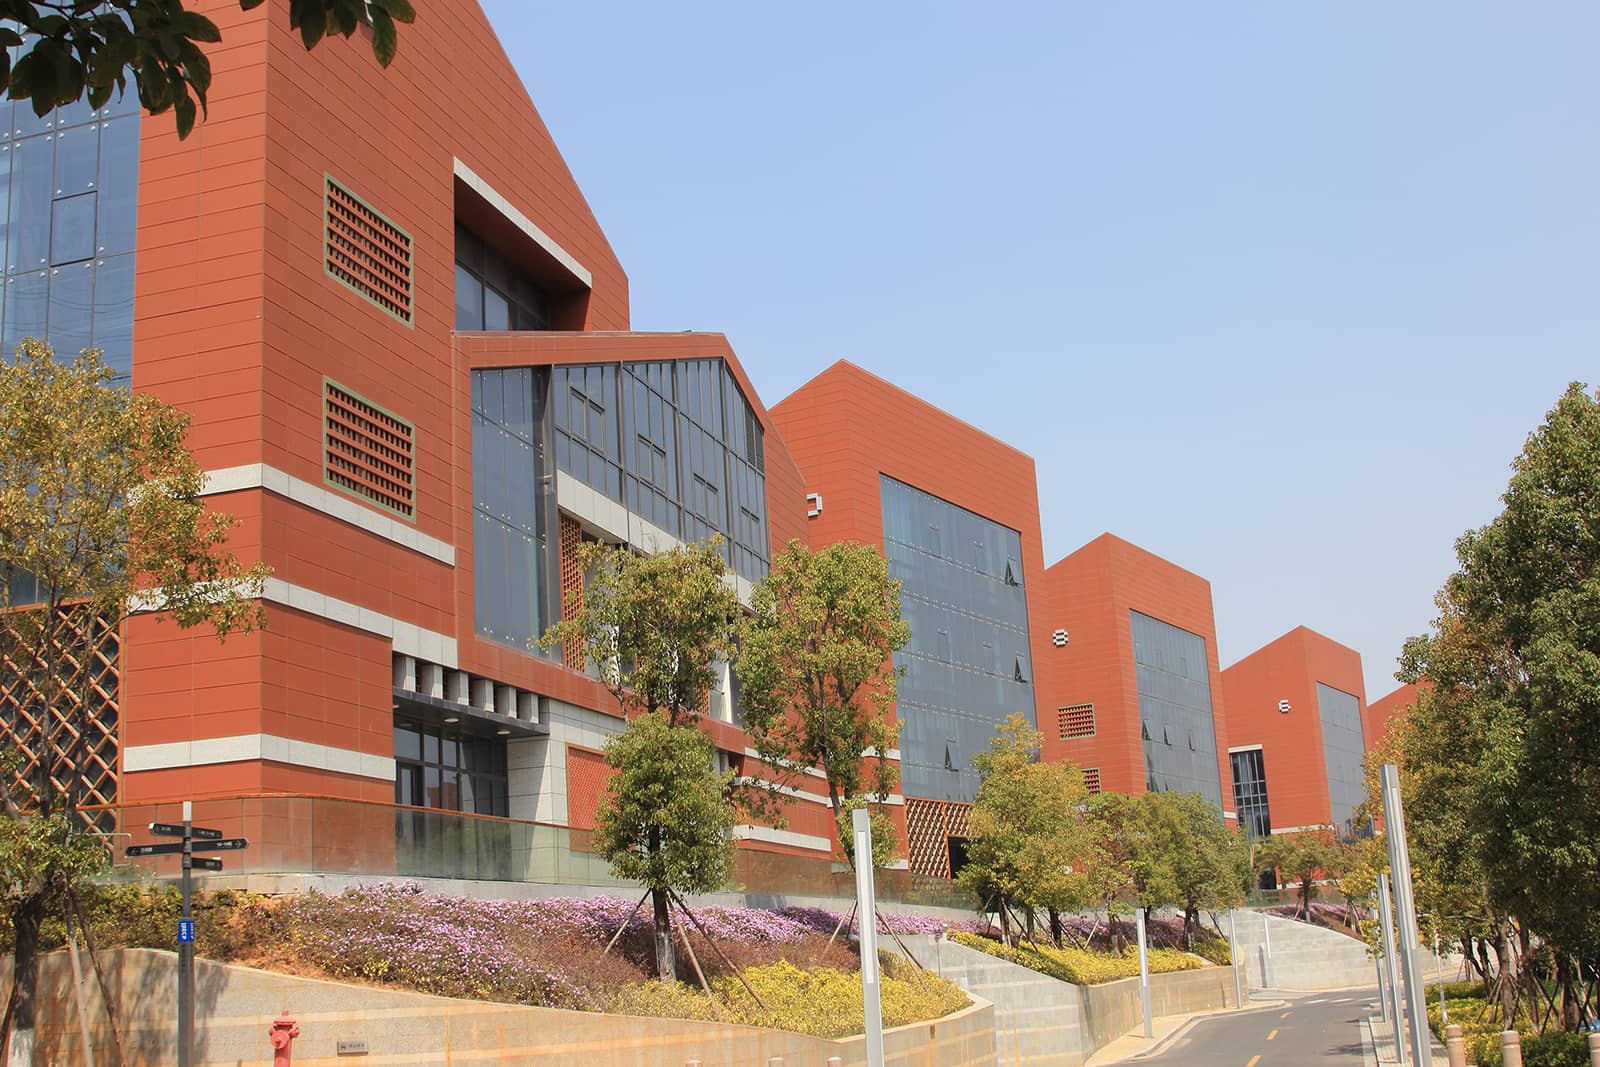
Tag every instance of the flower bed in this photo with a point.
(1081, 966)
(545, 953)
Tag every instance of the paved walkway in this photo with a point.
(1274, 1030)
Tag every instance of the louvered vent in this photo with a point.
(1091, 778)
(367, 252)
(1076, 721)
(368, 451)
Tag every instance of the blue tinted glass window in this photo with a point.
(510, 558)
(67, 202)
(113, 311)
(967, 666)
(70, 324)
(72, 229)
(118, 186)
(1342, 748)
(28, 247)
(1173, 677)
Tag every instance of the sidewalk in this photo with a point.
(1380, 1050)
(1136, 1046)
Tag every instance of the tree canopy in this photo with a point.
(1500, 759)
(66, 48)
(1028, 844)
(665, 818)
(817, 680)
(656, 628)
(101, 515)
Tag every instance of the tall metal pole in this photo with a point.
(1144, 976)
(1438, 960)
(186, 952)
(1391, 979)
(1233, 954)
(867, 912)
(1405, 907)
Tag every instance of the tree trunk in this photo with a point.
(1305, 896)
(1571, 1015)
(1507, 972)
(1191, 923)
(1005, 922)
(1055, 926)
(25, 917)
(666, 963)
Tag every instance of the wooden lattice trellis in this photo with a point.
(930, 824)
(571, 536)
(63, 733)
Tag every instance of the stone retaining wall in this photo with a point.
(236, 1005)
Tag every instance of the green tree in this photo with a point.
(101, 514)
(1110, 870)
(1301, 857)
(655, 628)
(816, 676)
(1027, 841)
(665, 819)
(1511, 718)
(1208, 863)
(69, 47)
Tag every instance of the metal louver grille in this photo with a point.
(1091, 778)
(367, 252)
(1076, 721)
(367, 451)
(66, 730)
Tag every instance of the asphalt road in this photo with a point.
(1321, 1029)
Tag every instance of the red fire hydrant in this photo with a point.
(284, 1031)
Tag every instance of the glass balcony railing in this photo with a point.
(292, 834)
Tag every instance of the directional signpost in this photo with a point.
(194, 839)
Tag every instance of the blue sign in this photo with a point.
(185, 930)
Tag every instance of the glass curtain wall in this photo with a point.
(672, 441)
(1342, 748)
(1177, 729)
(510, 509)
(967, 666)
(68, 190)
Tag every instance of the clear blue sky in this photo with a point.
(1274, 290)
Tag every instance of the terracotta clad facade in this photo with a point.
(1381, 712)
(237, 320)
(1291, 742)
(1090, 594)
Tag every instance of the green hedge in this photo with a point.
(1080, 966)
(1554, 1048)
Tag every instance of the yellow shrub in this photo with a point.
(822, 1002)
(1080, 966)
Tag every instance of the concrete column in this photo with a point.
(1455, 1047)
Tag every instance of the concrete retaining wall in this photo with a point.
(1040, 1020)
(1308, 957)
(236, 1005)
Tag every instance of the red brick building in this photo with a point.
(404, 341)
(1135, 696)
(957, 514)
(1295, 734)
(1381, 712)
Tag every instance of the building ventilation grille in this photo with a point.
(367, 451)
(368, 253)
(1076, 721)
(1091, 778)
